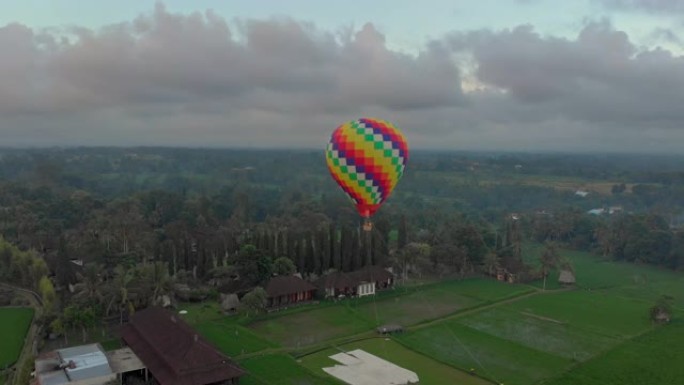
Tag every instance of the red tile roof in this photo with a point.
(337, 280)
(285, 285)
(340, 280)
(370, 274)
(173, 352)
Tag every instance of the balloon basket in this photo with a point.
(367, 225)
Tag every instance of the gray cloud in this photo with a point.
(599, 78)
(172, 79)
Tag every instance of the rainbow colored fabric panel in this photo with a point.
(366, 157)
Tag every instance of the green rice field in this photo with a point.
(653, 358)
(477, 331)
(14, 324)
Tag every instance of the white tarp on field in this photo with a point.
(361, 368)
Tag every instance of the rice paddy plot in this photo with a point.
(653, 358)
(652, 291)
(540, 333)
(484, 289)
(312, 326)
(492, 357)
(590, 311)
(429, 371)
(415, 307)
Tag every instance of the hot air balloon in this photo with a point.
(366, 157)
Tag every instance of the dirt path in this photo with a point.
(30, 341)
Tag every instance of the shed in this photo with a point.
(229, 302)
(389, 329)
(85, 365)
(566, 277)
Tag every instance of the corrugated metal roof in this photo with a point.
(90, 361)
(53, 378)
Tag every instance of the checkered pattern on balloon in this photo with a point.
(367, 157)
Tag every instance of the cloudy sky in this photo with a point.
(539, 75)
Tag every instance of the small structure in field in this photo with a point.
(566, 277)
(661, 316)
(229, 302)
(389, 329)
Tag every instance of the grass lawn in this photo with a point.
(492, 357)
(653, 358)
(313, 326)
(429, 371)
(201, 312)
(588, 310)
(232, 339)
(14, 324)
(281, 369)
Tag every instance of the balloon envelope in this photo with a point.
(366, 157)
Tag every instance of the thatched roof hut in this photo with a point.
(566, 277)
(229, 302)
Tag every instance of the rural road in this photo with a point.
(30, 343)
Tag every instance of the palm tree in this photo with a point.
(118, 290)
(89, 288)
(491, 263)
(549, 260)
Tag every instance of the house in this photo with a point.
(336, 284)
(174, 353)
(566, 277)
(288, 290)
(581, 193)
(362, 282)
(371, 278)
(82, 365)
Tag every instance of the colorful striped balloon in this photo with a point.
(366, 157)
